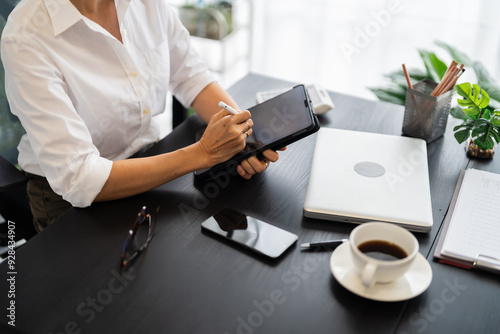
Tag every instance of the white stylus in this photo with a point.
(228, 108)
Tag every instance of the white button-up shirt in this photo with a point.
(84, 98)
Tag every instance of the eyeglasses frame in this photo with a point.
(141, 217)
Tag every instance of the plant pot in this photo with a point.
(204, 22)
(474, 151)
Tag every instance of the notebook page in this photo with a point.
(475, 224)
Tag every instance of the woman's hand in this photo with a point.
(252, 165)
(225, 136)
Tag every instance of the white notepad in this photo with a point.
(474, 228)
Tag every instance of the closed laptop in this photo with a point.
(360, 176)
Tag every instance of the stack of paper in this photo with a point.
(471, 231)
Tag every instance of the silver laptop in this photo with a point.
(360, 176)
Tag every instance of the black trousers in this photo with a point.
(46, 206)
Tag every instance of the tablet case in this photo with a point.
(229, 167)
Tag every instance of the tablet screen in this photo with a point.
(277, 122)
(278, 118)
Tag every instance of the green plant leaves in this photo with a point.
(481, 122)
(458, 113)
(484, 141)
(474, 99)
(485, 81)
(456, 54)
(484, 134)
(482, 131)
(480, 102)
(434, 66)
(394, 94)
(495, 120)
(463, 134)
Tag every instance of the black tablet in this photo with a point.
(278, 122)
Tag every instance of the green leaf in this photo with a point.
(495, 121)
(495, 134)
(486, 81)
(398, 78)
(462, 135)
(476, 132)
(417, 74)
(484, 135)
(490, 108)
(455, 54)
(457, 113)
(434, 66)
(474, 99)
(392, 95)
(480, 122)
(484, 142)
(486, 113)
(467, 125)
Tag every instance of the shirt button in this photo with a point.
(145, 111)
(133, 74)
(124, 32)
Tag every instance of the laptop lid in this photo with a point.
(360, 176)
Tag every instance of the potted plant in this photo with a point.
(481, 122)
(212, 21)
(434, 69)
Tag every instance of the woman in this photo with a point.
(86, 77)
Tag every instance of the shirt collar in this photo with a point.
(121, 8)
(64, 14)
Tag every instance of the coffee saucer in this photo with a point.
(415, 281)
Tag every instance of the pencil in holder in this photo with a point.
(426, 116)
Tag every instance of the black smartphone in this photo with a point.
(278, 122)
(250, 232)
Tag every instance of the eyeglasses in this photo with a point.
(138, 238)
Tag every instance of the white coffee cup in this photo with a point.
(373, 270)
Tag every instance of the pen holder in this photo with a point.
(425, 115)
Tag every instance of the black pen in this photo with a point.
(324, 244)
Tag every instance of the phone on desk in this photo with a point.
(249, 232)
(278, 122)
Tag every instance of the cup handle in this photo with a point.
(368, 275)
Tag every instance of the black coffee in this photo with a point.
(382, 250)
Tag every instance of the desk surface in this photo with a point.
(188, 282)
(11, 177)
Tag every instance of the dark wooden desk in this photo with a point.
(11, 177)
(188, 282)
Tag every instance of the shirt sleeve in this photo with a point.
(189, 74)
(59, 138)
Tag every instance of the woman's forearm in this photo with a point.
(224, 137)
(134, 176)
(206, 103)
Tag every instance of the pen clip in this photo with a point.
(486, 262)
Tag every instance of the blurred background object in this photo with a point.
(348, 46)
